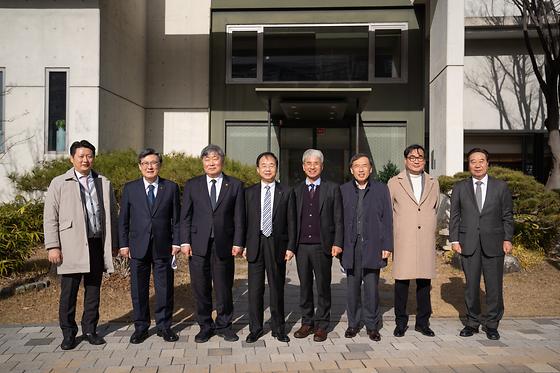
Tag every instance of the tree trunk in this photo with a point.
(553, 181)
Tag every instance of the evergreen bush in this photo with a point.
(387, 172)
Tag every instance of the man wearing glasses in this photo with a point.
(149, 236)
(415, 200)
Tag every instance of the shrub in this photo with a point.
(21, 229)
(536, 210)
(388, 171)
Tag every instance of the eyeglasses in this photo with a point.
(416, 159)
(148, 164)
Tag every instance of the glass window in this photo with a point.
(244, 45)
(2, 94)
(244, 141)
(388, 53)
(385, 143)
(56, 117)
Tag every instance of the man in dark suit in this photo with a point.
(319, 234)
(149, 236)
(212, 234)
(481, 230)
(269, 243)
(368, 242)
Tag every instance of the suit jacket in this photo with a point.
(331, 219)
(283, 225)
(377, 224)
(489, 227)
(139, 224)
(64, 222)
(228, 219)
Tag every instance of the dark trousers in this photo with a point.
(423, 302)
(140, 269)
(207, 271)
(493, 270)
(69, 286)
(369, 310)
(276, 276)
(312, 260)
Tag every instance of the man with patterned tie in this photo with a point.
(269, 244)
(481, 230)
(212, 234)
(80, 225)
(149, 236)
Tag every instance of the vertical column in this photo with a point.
(447, 46)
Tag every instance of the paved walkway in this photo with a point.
(527, 345)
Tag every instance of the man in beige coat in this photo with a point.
(80, 225)
(415, 200)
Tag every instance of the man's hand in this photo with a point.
(55, 256)
(236, 250)
(289, 255)
(244, 253)
(457, 247)
(335, 250)
(175, 249)
(186, 249)
(124, 252)
(385, 254)
(508, 247)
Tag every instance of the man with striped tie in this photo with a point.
(268, 245)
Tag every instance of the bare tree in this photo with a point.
(543, 18)
(7, 143)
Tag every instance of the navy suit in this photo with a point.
(149, 233)
(212, 234)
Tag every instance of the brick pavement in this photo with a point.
(527, 345)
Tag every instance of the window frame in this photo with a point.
(49, 70)
(372, 27)
(3, 122)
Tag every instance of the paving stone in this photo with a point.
(219, 351)
(359, 347)
(121, 369)
(39, 341)
(144, 370)
(273, 367)
(350, 364)
(355, 355)
(488, 342)
(323, 365)
(171, 369)
(541, 367)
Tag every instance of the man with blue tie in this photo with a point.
(212, 235)
(149, 236)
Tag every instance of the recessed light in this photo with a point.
(294, 107)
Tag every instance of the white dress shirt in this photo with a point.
(483, 187)
(309, 182)
(155, 184)
(263, 193)
(219, 180)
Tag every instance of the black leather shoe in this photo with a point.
(227, 335)
(203, 335)
(94, 339)
(168, 335)
(468, 331)
(492, 333)
(374, 335)
(139, 337)
(400, 331)
(425, 330)
(351, 332)
(253, 337)
(68, 343)
(282, 337)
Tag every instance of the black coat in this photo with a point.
(377, 224)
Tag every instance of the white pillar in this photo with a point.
(447, 47)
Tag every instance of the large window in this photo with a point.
(385, 142)
(246, 140)
(57, 100)
(2, 121)
(317, 53)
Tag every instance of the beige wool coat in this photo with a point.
(64, 222)
(414, 227)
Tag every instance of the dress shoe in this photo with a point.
(425, 330)
(227, 334)
(139, 337)
(492, 333)
(282, 337)
(203, 335)
(351, 332)
(320, 335)
(168, 335)
(374, 335)
(468, 331)
(304, 331)
(253, 337)
(94, 339)
(400, 331)
(68, 343)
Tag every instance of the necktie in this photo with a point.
(478, 195)
(84, 182)
(213, 194)
(311, 190)
(266, 217)
(151, 195)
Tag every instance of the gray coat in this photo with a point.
(64, 222)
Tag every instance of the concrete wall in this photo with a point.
(32, 40)
(177, 83)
